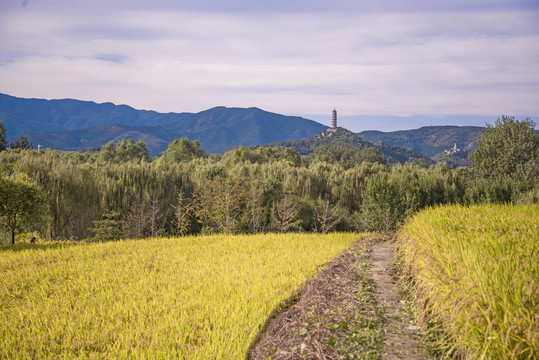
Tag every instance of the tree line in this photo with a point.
(23, 142)
(118, 192)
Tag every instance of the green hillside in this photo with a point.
(429, 140)
(454, 160)
(30, 115)
(345, 138)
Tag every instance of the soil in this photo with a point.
(402, 338)
(350, 309)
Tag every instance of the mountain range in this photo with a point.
(77, 125)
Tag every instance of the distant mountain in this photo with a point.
(222, 128)
(346, 138)
(430, 140)
(23, 116)
(76, 125)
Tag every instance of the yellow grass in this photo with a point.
(193, 297)
(477, 271)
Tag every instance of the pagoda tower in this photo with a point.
(334, 119)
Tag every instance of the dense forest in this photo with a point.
(119, 192)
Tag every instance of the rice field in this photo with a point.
(476, 271)
(193, 297)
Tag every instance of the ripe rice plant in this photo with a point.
(192, 297)
(476, 271)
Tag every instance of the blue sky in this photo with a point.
(382, 64)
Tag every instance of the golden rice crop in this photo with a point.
(477, 271)
(193, 297)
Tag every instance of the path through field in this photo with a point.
(351, 309)
(401, 339)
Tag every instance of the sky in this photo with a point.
(384, 64)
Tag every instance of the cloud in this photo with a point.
(304, 57)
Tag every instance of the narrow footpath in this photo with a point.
(351, 309)
(401, 339)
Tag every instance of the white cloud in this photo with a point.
(478, 61)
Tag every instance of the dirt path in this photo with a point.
(351, 308)
(401, 340)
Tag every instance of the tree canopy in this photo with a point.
(348, 157)
(3, 136)
(261, 155)
(22, 143)
(181, 150)
(125, 150)
(508, 148)
(23, 206)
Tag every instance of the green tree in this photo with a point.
(23, 206)
(218, 204)
(509, 148)
(3, 136)
(240, 155)
(181, 150)
(74, 189)
(229, 195)
(348, 157)
(107, 153)
(382, 207)
(109, 227)
(184, 212)
(126, 150)
(155, 217)
(255, 204)
(22, 143)
(260, 155)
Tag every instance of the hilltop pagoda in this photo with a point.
(334, 119)
(329, 132)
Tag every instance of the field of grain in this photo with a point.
(193, 297)
(476, 270)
